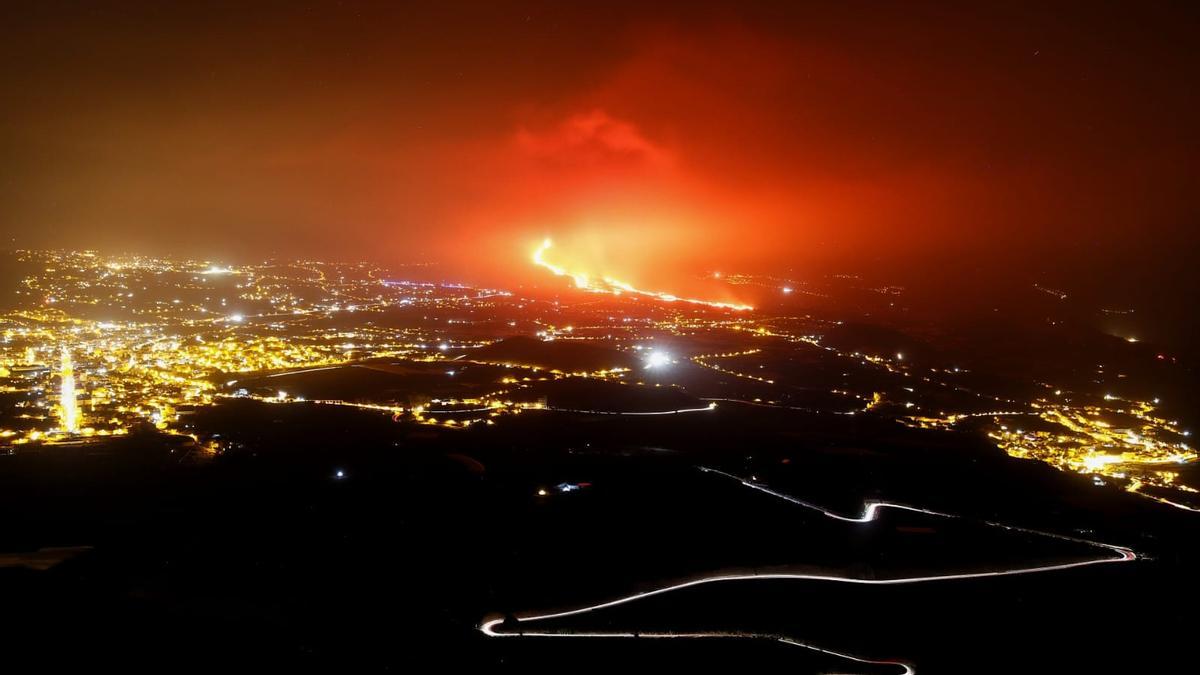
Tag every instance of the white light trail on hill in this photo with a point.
(869, 513)
(488, 628)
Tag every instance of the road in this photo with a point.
(869, 513)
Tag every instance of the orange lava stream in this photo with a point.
(616, 287)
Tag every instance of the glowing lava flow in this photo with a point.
(615, 287)
(870, 513)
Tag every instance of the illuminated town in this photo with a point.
(99, 346)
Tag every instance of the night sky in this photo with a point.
(654, 142)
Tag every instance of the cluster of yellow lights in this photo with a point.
(68, 407)
(467, 411)
(1085, 439)
(616, 287)
(112, 375)
(705, 360)
(1138, 453)
(119, 374)
(186, 337)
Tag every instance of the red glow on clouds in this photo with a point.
(682, 160)
(594, 139)
(653, 145)
(732, 148)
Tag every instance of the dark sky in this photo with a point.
(649, 141)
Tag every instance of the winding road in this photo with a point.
(869, 513)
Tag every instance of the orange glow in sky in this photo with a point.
(797, 139)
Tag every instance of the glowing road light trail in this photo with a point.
(1136, 489)
(488, 628)
(301, 372)
(708, 408)
(870, 509)
(616, 287)
(1125, 555)
(870, 513)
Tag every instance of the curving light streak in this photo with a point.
(1137, 490)
(869, 513)
(615, 287)
(708, 408)
(871, 509)
(1124, 555)
(488, 628)
(301, 372)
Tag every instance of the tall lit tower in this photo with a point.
(68, 408)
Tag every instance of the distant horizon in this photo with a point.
(928, 141)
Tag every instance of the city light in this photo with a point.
(182, 352)
(657, 359)
(68, 407)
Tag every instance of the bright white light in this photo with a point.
(657, 359)
(236, 318)
(443, 346)
(282, 394)
(340, 474)
(786, 289)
